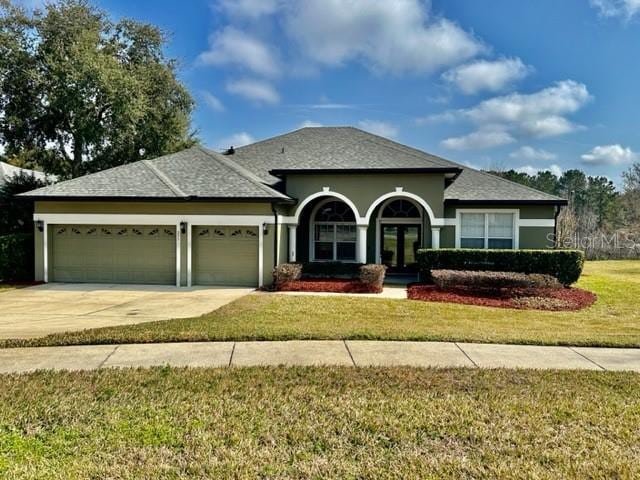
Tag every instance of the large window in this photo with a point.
(334, 232)
(487, 230)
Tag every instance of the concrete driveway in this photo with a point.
(60, 307)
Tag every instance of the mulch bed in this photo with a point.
(335, 285)
(553, 299)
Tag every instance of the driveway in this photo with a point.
(60, 307)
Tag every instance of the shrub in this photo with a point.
(490, 281)
(564, 265)
(372, 274)
(16, 257)
(287, 272)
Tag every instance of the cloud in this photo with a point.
(530, 153)
(485, 75)
(212, 101)
(252, 9)
(331, 106)
(610, 155)
(255, 90)
(231, 46)
(478, 140)
(236, 140)
(310, 123)
(379, 128)
(501, 119)
(533, 171)
(617, 8)
(386, 36)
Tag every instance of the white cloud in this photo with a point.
(486, 75)
(530, 153)
(502, 119)
(255, 90)
(392, 36)
(252, 9)
(533, 171)
(231, 46)
(331, 106)
(379, 128)
(212, 101)
(236, 140)
(309, 123)
(617, 8)
(480, 139)
(610, 155)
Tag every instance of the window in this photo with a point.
(487, 230)
(401, 209)
(334, 232)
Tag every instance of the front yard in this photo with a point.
(613, 321)
(320, 423)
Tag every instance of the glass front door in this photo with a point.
(399, 246)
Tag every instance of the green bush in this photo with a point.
(372, 274)
(565, 265)
(491, 281)
(16, 257)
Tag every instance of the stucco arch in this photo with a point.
(325, 193)
(400, 194)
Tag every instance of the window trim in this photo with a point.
(486, 212)
(312, 233)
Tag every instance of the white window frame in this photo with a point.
(380, 221)
(486, 212)
(312, 234)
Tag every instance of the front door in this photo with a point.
(399, 246)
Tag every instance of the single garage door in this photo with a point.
(225, 256)
(113, 254)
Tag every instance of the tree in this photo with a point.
(16, 214)
(631, 194)
(79, 93)
(602, 197)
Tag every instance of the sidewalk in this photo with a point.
(331, 352)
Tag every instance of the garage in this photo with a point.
(113, 254)
(225, 255)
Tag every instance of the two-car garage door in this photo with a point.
(147, 254)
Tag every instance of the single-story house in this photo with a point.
(198, 217)
(7, 172)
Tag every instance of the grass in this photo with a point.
(613, 321)
(320, 423)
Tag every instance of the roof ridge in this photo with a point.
(241, 171)
(163, 178)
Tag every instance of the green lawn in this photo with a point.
(320, 423)
(613, 321)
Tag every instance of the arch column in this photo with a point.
(361, 244)
(435, 238)
(293, 233)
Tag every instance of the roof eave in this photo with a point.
(456, 201)
(66, 198)
(350, 171)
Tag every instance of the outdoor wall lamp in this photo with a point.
(265, 229)
(183, 227)
(40, 225)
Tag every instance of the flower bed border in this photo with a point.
(577, 298)
(332, 285)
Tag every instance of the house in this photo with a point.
(198, 217)
(7, 172)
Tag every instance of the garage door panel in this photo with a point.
(113, 254)
(225, 255)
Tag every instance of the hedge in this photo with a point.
(491, 281)
(16, 257)
(565, 265)
(370, 274)
(330, 269)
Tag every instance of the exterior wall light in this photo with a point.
(265, 229)
(40, 225)
(183, 227)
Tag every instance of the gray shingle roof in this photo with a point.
(192, 173)
(323, 148)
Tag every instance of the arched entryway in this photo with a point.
(399, 234)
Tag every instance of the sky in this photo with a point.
(496, 84)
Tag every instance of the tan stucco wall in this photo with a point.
(364, 189)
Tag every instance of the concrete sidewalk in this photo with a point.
(333, 352)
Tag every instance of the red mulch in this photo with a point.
(336, 285)
(554, 299)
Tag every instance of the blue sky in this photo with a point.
(539, 84)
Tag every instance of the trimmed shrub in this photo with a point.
(490, 281)
(16, 257)
(564, 265)
(372, 274)
(287, 272)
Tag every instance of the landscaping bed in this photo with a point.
(335, 285)
(552, 299)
